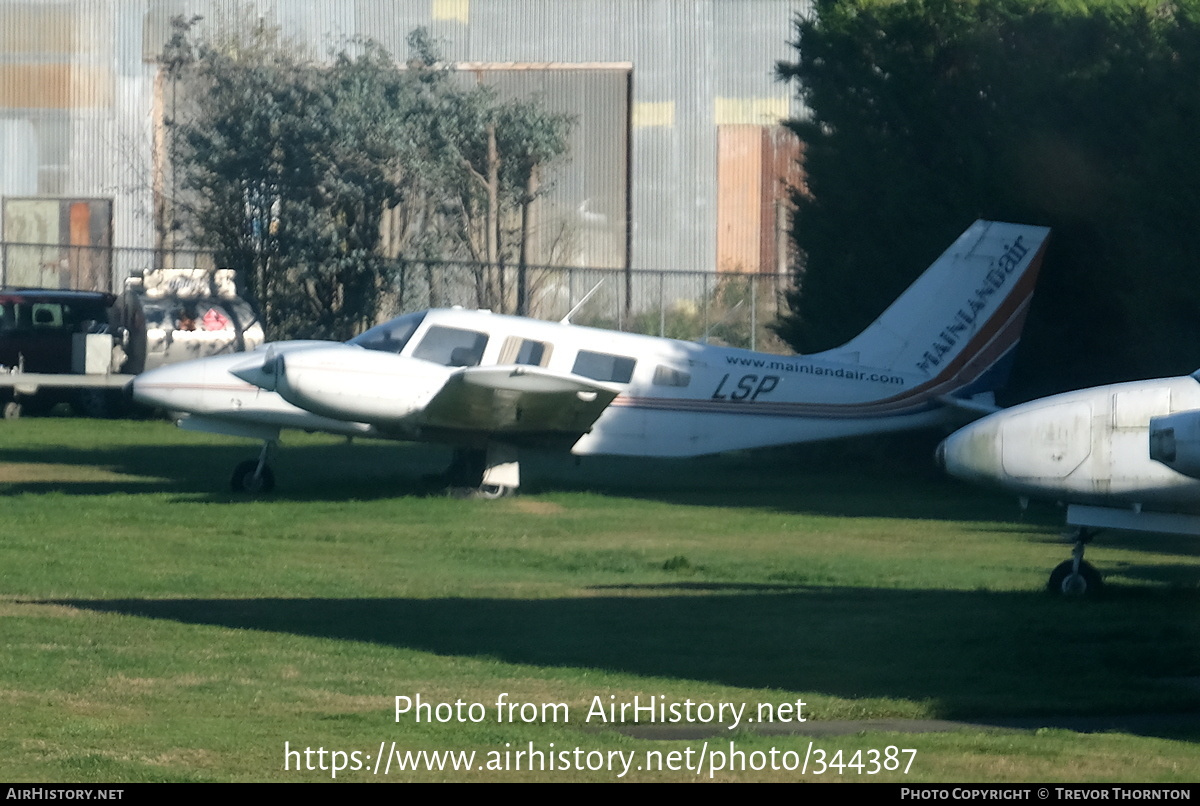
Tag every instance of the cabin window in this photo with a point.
(81, 317)
(668, 376)
(604, 367)
(452, 347)
(517, 350)
(391, 336)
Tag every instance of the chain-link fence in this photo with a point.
(734, 309)
(722, 308)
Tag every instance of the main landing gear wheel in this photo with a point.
(493, 491)
(473, 473)
(12, 410)
(1068, 581)
(466, 469)
(483, 492)
(247, 478)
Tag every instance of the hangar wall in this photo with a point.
(79, 82)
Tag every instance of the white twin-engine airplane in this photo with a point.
(491, 385)
(1125, 456)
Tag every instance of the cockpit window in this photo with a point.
(391, 336)
(451, 346)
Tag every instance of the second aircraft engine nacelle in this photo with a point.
(348, 383)
(1175, 442)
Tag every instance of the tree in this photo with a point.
(297, 171)
(474, 171)
(1079, 116)
(285, 166)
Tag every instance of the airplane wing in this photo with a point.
(976, 406)
(401, 396)
(518, 403)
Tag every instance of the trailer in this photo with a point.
(83, 347)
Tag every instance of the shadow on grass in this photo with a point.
(1177, 545)
(370, 470)
(969, 654)
(861, 480)
(363, 470)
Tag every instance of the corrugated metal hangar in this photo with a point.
(676, 161)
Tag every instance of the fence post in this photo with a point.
(753, 311)
(617, 302)
(662, 306)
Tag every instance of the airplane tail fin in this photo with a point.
(958, 324)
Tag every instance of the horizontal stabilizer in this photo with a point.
(980, 405)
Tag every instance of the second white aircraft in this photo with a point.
(492, 385)
(1124, 456)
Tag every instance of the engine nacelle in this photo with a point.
(352, 384)
(1175, 442)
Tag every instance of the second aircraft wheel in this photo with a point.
(1066, 582)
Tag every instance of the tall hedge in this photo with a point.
(1081, 116)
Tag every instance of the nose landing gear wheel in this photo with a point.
(246, 479)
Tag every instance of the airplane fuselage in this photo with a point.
(669, 391)
(1125, 456)
(1099, 446)
(493, 384)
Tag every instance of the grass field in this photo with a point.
(155, 628)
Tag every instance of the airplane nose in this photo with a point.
(973, 452)
(173, 387)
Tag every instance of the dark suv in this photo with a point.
(37, 327)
